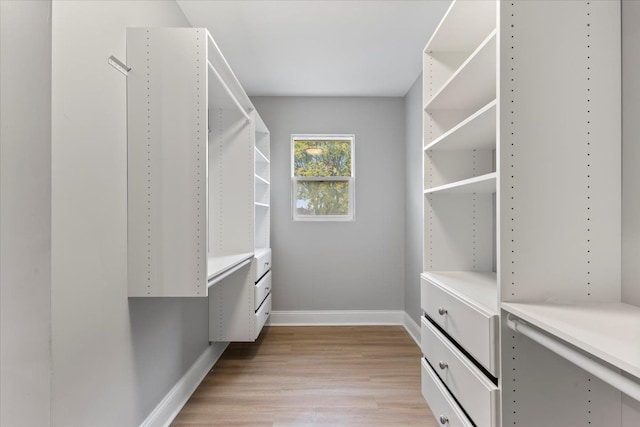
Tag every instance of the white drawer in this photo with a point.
(261, 315)
(262, 289)
(443, 407)
(473, 327)
(263, 263)
(478, 396)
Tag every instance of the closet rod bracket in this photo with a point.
(118, 65)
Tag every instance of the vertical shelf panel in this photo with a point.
(167, 145)
(560, 150)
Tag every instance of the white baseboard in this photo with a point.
(170, 406)
(412, 328)
(336, 317)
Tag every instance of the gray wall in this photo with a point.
(340, 265)
(25, 209)
(631, 152)
(113, 358)
(413, 215)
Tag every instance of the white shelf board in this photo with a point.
(479, 184)
(477, 288)
(477, 131)
(609, 331)
(473, 84)
(263, 205)
(260, 126)
(217, 265)
(218, 96)
(261, 251)
(261, 179)
(463, 26)
(260, 156)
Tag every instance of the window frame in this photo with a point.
(297, 179)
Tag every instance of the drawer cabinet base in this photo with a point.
(443, 406)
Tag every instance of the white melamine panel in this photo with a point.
(262, 226)
(471, 325)
(220, 64)
(439, 122)
(448, 167)
(464, 26)
(473, 85)
(231, 183)
(443, 406)
(231, 308)
(459, 232)
(608, 331)
(480, 184)
(630, 153)
(476, 394)
(440, 67)
(541, 388)
(167, 162)
(560, 151)
(262, 289)
(476, 132)
(261, 192)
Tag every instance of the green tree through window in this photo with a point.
(322, 172)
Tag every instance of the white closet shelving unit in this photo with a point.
(240, 308)
(522, 217)
(196, 146)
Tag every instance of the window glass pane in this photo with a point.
(322, 158)
(322, 198)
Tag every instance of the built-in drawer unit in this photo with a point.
(442, 404)
(262, 314)
(263, 263)
(473, 327)
(262, 289)
(472, 389)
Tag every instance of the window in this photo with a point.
(322, 172)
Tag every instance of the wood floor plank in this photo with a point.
(314, 376)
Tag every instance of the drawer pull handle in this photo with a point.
(266, 313)
(442, 311)
(444, 420)
(443, 365)
(267, 289)
(266, 264)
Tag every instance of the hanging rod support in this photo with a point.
(118, 65)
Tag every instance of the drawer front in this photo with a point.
(262, 315)
(261, 290)
(472, 328)
(263, 264)
(444, 408)
(478, 396)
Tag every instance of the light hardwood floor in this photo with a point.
(314, 376)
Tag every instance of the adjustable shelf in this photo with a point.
(479, 289)
(463, 27)
(261, 179)
(608, 331)
(479, 184)
(473, 84)
(219, 265)
(260, 157)
(476, 132)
